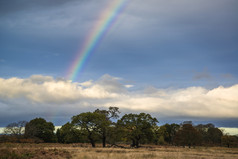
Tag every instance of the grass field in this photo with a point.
(80, 151)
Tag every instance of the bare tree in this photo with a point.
(16, 128)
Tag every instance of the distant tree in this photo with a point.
(138, 127)
(40, 128)
(187, 122)
(166, 133)
(160, 134)
(105, 124)
(214, 135)
(16, 128)
(68, 133)
(187, 135)
(202, 129)
(229, 141)
(171, 130)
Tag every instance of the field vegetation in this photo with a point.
(84, 151)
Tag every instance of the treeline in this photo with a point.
(105, 127)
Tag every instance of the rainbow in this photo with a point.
(103, 25)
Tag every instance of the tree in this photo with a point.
(96, 124)
(166, 133)
(89, 123)
(171, 130)
(214, 135)
(40, 128)
(187, 135)
(138, 127)
(59, 137)
(229, 141)
(111, 113)
(105, 124)
(203, 130)
(160, 134)
(68, 133)
(115, 134)
(16, 128)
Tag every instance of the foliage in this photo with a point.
(203, 130)
(138, 127)
(68, 133)
(40, 128)
(105, 126)
(96, 124)
(89, 123)
(187, 135)
(214, 135)
(229, 141)
(170, 131)
(159, 135)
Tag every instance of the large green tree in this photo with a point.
(96, 124)
(40, 128)
(89, 123)
(138, 127)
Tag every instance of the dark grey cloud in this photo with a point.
(48, 18)
(149, 40)
(13, 6)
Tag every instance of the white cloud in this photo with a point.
(44, 93)
(45, 89)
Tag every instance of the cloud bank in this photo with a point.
(47, 96)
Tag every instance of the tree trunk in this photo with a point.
(104, 141)
(133, 143)
(137, 143)
(91, 141)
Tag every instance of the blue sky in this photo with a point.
(154, 46)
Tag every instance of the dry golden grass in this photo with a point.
(155, 153)
(84, 151)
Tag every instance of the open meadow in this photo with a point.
(81, 151)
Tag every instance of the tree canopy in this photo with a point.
(40, 128)
(138, 126)
(96, 124)
(187, 135)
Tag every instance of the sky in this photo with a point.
(176, 60)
